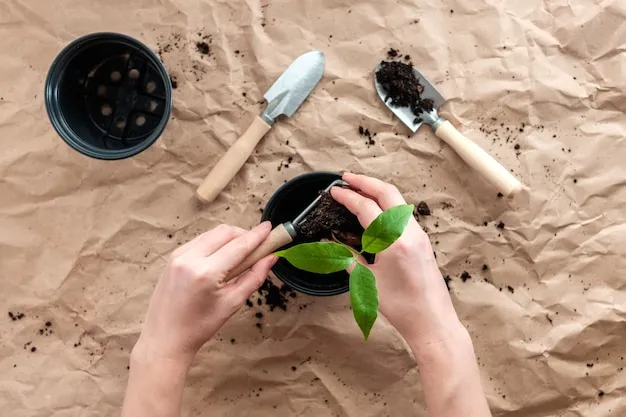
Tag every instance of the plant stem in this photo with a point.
(350, 248)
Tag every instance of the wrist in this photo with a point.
(441, 345)
(145, 353)
(155, 384)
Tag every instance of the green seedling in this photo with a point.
(330, 257)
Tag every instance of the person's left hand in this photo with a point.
(192, 300)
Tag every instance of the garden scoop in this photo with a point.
(470, 152)
(281, 235)
(283, 98)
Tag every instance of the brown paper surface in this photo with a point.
(82, 242)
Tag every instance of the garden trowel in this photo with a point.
(281, 235)
(470, 152)
(283, 98)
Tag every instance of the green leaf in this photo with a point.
(364, 298)
(318, 257)
(386, 229)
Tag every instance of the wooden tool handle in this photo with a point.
(479, 160)
(227, 167)
(277, 238)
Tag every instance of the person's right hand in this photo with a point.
(412, 293)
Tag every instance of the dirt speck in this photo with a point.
(203, 47)
(423, 209)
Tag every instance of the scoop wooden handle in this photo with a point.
(479, 160)
(277, 238)
(227, 167)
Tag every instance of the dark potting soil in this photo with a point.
(330, 219)
(367, 135)
(16, 316)
(203, 47)
(423, 209)
(465, 276)
(274, 296)
(402, 86)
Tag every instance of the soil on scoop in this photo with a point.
(329, 220)
(402, 86)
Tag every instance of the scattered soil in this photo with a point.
(174, 82)
(500, 195)
(485, 267)
(330, 219)
(274, 296)
(402, 86)
(423, 209)
(173, 51)
(392, 53)
(46, 330)
(511, 289)
(16, 316)
(447, 280)
(500, 225)
(367, 135)
(203, 47)
(465, 276)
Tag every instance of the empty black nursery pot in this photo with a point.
(108, 96)
(285, 205)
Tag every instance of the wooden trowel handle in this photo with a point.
(277, 238)
(479, 160)
(227, 167)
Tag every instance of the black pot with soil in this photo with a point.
(328, 220)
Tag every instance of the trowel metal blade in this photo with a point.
(294, 85)
(404, 113)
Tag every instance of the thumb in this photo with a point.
(252, 280)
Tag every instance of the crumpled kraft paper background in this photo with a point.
(82, 242)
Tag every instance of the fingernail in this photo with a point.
(266, 225)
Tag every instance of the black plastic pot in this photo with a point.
(108, 96)
(286, 203)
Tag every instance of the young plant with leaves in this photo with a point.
(329, 257)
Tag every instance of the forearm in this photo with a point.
(449, 374)
(155, 386)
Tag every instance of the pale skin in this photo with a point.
(191, 302)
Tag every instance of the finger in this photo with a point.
(206, 240)
(235, 251)
(386, 195)
(249, 282)
(364, 208)
(209, 242)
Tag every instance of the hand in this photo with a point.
(412, 293)
(192, 300)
